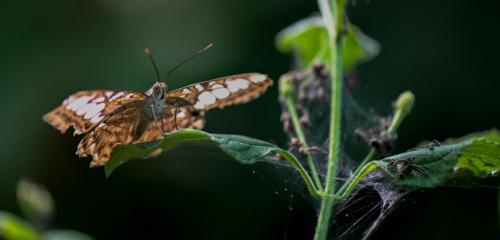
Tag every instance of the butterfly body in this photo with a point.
(110, 118)
(155, 101)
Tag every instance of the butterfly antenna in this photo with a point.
(150, 58)
(186, 60)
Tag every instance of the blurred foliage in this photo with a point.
(307, 38)
(34, 200)
(64, 235)
(36, 203)
(13, 228)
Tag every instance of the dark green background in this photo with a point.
(446, 52)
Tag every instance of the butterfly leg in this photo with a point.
(175, 116)
(160, 127)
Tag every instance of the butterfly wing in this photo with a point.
(221, 92)
(129, 125)
(84, 110)
(186, 118)
(121, 127)
(108, 117)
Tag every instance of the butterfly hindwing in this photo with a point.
(121, 127)
(186, 118)
(130, 126)
(221, 92)
(84, 110)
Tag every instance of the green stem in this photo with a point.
(302, 171)
(349, 181)
(292, 109)
(356, 178)
(332, 22)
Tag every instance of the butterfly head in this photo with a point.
(158, 90)
(155, 101)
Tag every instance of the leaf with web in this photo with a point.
(242, 149)
(472, 157)
(467, 162)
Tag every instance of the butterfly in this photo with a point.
(109, 118)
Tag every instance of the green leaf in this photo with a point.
(357, 48)
(124, 153)
(493, 135)
(13, 228)
(308, 39)
(477, 157)
(242, 149)
(65, 235)
(34, 200)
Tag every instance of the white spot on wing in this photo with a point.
(221, 93)
(206, 98)
(199, 87)
(181, 114)
(97, 118)
(116, 95)
(69, 100)
(108, 94)
(237, 84)
(199, 105)
(98, 100)
(85, 108)
(215, 86)
(95, 110)
(258, 78)
(79, 102)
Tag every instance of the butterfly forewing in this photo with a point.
(84, 110)
(221, 92)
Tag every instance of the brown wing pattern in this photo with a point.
(84, 110)
(221, 92)
(186, 118)
(130, 126)
(119, 128)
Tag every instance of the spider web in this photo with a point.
(374, 199)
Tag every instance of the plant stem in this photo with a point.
(356, 178)
(292, 109)
(367, 159)
(333, 155)
(302, 171)
(332, 22)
